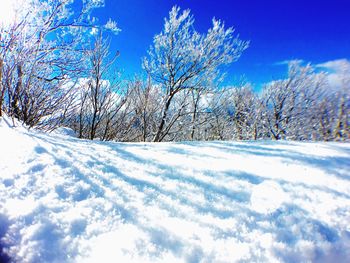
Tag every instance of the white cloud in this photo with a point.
(287, 62)
(338, 72)
(338, 65)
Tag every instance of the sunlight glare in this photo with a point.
(7, 12)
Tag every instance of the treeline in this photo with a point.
(56, 70)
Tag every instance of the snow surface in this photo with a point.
(68, 200)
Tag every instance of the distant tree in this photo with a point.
(245, 114)
(101, 99)
(181, 60)
(289, 103)
(146, 100)
(342, 128)
(326, 117)
(332, 115)
(218, 125)
(200, 108)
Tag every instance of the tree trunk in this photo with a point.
(144, 131)
(158, 137)
(14, 104)
(194, 117)
(338, 132)
(96, 107)
(255, 132)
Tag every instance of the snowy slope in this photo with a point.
(69, 200)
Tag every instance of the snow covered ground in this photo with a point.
(68, 200)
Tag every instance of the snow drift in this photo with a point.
(68, 200)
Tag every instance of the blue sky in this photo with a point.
(314, 31)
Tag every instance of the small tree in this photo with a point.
(219, 111)
(245, 115)
(145, 99)
(183, 59)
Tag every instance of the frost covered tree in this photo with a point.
(290, 103)
(181, 59)
(342, 127)
(101, 99)
(41, 51)
(202, 104)
(218, 124)
(146, 100)
(332, 114)
(245, 113)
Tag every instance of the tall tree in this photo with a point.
(182, 59)
(101, 97)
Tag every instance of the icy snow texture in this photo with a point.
(68, 200)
